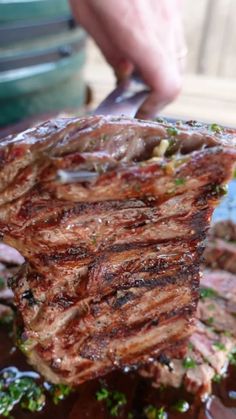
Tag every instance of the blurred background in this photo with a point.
(209, 92)
(46, 66)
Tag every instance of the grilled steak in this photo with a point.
(111, 275)
(221, 250)
(212, 346)
(221, 255)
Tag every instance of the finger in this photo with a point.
(123, 70)
(88, 18)
(151, 106)
(148, 53)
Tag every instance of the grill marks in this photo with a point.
(213, 342)
(113, 265)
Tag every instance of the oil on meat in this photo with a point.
(111, 277)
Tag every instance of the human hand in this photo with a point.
(145, 35)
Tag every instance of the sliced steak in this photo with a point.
(221, 283)
(111, 276)
(221, 254)
(221, 249)
(213, 347)
(225, 230)
(211, 344)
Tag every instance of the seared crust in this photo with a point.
(112, 264)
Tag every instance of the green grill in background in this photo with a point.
(42, 55)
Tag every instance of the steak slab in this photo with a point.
(111, 272)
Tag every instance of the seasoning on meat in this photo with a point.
(111, 277)
(212, 346)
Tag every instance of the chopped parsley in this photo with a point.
(153, 412)
(216, 128)
(59, 392)
(20, 390)
(180, 181)
(24, 390)
(232, 357)
(181, 406)
(114, 400)
(189, 363)
(172, 131)
(25, 345)
(219, 345)
(102, 394)
(217, 378)
(210, 321)
(207, 293)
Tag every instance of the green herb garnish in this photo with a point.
(219, 345)
(210, 321)
(189, 363)
(180, 181)
(25, 345)
(217, 378)
(232, 357)
(181, 406)
(23, 390)
(59, 392)
(15, 389)
(207, 293)
(114, 400)
(153, 412)
(216, 128)
(102, 394)
(172, 131)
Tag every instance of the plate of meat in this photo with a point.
(109, 218)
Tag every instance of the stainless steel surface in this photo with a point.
(125, 99)
(66, 176)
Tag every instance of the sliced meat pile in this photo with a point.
(213, 344)
(111, 277)
(221, 251)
